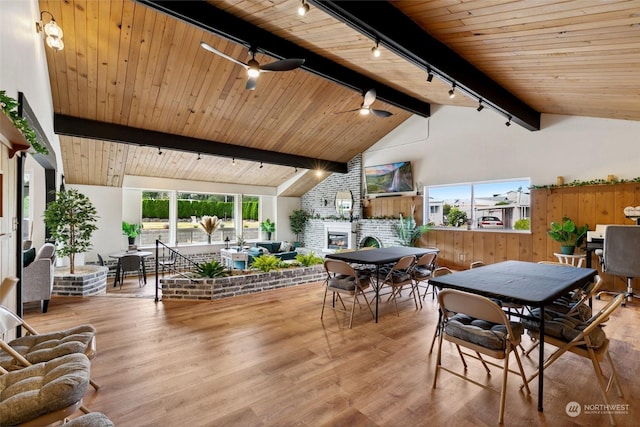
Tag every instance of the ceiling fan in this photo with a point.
(254, 68)
(365, 108)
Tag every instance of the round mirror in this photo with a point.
(344, 202)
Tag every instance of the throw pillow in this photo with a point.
(285, 247)
(28, 256)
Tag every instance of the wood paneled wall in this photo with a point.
(593, 204)
(382, 207)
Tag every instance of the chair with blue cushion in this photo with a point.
(480, 325)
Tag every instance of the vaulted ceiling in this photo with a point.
(133, 78)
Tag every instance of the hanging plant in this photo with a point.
(10, 108)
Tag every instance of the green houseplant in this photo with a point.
(408, 232)
(298, 219)
(71, 220)
(131, 230)
(568, 234)
(268, 227)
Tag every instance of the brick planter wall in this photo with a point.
(225, 287)
(89, 280)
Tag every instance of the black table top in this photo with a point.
(519, 282)
(380, 256)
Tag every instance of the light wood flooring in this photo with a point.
(268, 360)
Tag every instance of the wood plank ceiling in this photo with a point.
(127, 64)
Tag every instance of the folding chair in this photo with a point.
(585, 339)
(342, 279)
(35, 348)
(421, 273)
(399, 276)
(440, 271)
(44, 393)
(484, 329)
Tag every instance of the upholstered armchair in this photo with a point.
(37, 278)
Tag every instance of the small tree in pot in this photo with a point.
(298, 219)
(71, 220)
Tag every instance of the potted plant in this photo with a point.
(71, 220)
(298, 218)
(131, 230)
(210, 224)
(268, 227)
(567, 234)
(408, 232)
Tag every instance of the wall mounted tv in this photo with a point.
(389, 178)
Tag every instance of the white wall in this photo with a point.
(23, 68)
(458, 144)
(285, 206)
(108, 238)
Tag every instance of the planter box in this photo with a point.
(179, 288)
(88, 280)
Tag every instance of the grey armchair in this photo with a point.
(37, 278)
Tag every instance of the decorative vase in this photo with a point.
(567, 250)
(209, 238)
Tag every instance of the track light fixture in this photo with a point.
(296, 170)
(159, 151)
(233, 161)
(261, 165)
(508, 123)
(452, 91)
(52, 32)
(303, 8)
(480, 106)
(375, 51)
(198, 156)
(429, 75)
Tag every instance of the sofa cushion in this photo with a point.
(28, 256)
(272, 247)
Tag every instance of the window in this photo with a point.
(155, 217)
(193, 206)
(250, 217)
(502, 205)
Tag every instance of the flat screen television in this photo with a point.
(389, 178)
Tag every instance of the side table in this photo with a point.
(230, 256)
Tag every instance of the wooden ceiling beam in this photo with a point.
(381, 21)
(92, 129)
(223, 24)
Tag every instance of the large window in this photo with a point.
(496, 205)
(174, 217)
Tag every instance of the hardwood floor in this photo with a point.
(268, 360)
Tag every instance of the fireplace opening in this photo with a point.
(370, 242)
(337, 240)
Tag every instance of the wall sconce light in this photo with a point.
(375, 51)
(303, 8)
(226, 242)
(52, 32)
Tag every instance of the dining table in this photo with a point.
(118, 255)
(379, 257)
(525, 283)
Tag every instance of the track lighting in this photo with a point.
(508, 123)
(159, 151)
(52, 31)
(303, 8)
(452, 91)
(261, 165)
(233, 161)
(296, 170)
(375, 51)
(480, 106)
(198, 156)
(429, 75)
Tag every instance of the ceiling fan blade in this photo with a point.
(224, 55)
(251, 83)
(283, 65)
(369, 97)
(381, 113)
